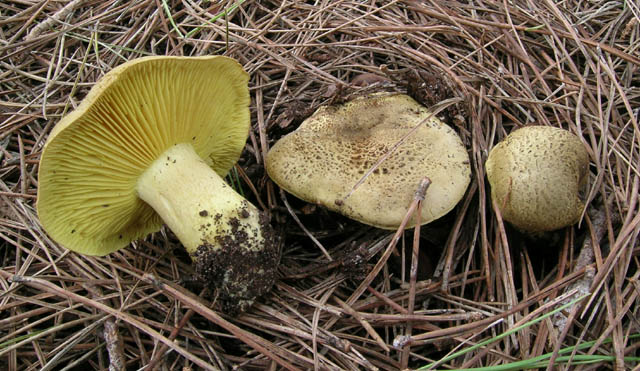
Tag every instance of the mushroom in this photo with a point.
(326, 158)
(151, 143)
(535, 174)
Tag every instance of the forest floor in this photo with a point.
(344, 297)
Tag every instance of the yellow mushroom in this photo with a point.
(325, 158)
(150, 144)
(535, 174)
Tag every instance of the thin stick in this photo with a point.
(597, 228)
(53, 19)
(114, 346)
(283, 196)
(12, 194)
(434, 111)
(413, 273)
(174, 333)
(422, 189)
(370, 330)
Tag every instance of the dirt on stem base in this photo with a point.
(236, 270)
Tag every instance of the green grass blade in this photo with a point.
(234, 179)
(20, 338)
(503, 335)
(165, 6)
(224, 13)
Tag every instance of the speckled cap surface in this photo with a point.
(535, 175)
(333, 149)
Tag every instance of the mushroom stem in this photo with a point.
(195, 202)
(230, 241)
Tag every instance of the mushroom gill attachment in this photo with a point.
(326, 158)
(149, 145)
(536, 174)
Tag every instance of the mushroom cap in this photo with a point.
(93, 157)
(535, 174)
(332, 150)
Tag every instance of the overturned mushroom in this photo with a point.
(535, 174)
(326, 157)
(150, 144)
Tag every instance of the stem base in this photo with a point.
(233, 247)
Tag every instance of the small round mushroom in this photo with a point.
(149, 144)
(535, 174)
(325, 158)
